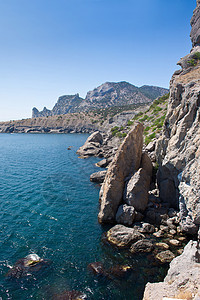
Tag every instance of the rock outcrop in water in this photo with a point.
(125, 163)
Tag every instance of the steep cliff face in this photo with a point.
(64, 105)
(178, 150)
(195, 23)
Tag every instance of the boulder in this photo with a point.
(142, 246)
(126, 161)
(182, 280)
(92, 145)
(122, 236)
(98, 176)
(165, 256)
(151, 146)
(162, 246)
(174, 243)
(97, 268)
(26, 266)
(125, 215)
(147, 228)
(136, 190)
(104, 162)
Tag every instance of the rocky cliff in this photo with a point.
(178, 150)
(107, 95)
(64, 105)
(178, 154)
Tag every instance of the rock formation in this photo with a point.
(195, 23)
(125, 163)
(182, 280)
(65, 104)
(178, 150)
(107, 95)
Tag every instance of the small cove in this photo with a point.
(49, 206)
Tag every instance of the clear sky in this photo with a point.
(50, 48)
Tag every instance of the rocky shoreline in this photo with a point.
(159, 213)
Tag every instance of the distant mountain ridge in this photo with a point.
(106, 95)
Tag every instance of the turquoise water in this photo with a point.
(49, 206)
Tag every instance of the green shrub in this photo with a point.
(197, 55)
(129, 123)
(157, 109)
(114, 132)
(114, 128)
(144, 118)
(147, 128)
(147, 140)
(152, 136)
(136, 117)
(192, 62)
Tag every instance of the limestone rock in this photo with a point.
(146, 164)
(142, 246)
(126, 161)
(195, 23)
(122, 236)
(98, 176)
(147, 228)
(175, 243)
(182, 280)
(165, 256)
(104, 162)
(136, 190)
(162, 246)
(92, 145)
(151, 146)
(125, 215)
(178, 150)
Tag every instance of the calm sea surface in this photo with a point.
(49, 206)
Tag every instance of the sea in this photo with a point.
(48, 206)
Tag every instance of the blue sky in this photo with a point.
(51, 48)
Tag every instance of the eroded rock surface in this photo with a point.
(122, 236)
(125, 215)
(98, 177)
(178, 150)
(182, 280)
(126, 162)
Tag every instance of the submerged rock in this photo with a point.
(119, 271)
(70, 295)
(27, 265)
(97, 268)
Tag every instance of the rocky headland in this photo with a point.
(150, 192)
(106, 95)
